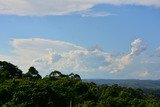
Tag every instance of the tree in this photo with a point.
(75, 76)
(55, 74)
(33, 71)
(32, 74)
(8, 71)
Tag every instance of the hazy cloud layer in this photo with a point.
(157, 53)
(63, 7)
(91, 13)
(47, 55)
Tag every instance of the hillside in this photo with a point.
(18, 89)
(133, 83)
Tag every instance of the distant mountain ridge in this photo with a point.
(133, 83)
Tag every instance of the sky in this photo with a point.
(97, 39)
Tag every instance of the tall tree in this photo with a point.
(75, 76)
(32, 74)
(8, 70)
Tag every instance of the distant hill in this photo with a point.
(133, 83)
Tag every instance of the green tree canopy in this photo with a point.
(8, 71)
(32, 74)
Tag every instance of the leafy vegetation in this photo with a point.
(60, 90)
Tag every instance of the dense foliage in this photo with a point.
(60, 90)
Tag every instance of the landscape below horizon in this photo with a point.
(132, 83)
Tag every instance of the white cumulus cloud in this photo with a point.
(137, 47)
(47, 55)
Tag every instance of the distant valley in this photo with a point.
(133, 83)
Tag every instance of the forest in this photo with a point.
(19, 89)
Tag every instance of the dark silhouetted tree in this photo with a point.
(32, 74)
(8, 71)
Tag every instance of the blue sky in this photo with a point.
(108, 27)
